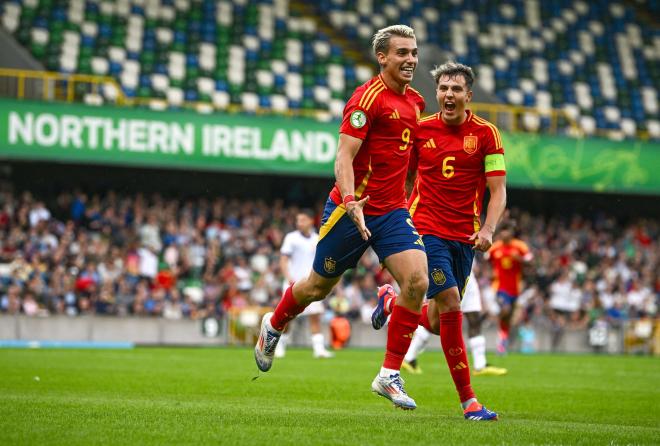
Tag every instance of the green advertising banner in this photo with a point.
(593, 164)
(183, 140)
(258, 144)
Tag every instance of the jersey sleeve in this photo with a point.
(414, 153)
(494, 153)
(525, 253)
(359, 113)
(287, 245)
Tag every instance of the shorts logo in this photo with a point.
(470, 144)
(329, 265)
(455, 351)
(358, 119)
(438, 277)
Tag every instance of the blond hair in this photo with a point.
(381, 40)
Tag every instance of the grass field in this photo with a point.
(206, 396)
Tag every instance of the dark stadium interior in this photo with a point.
(48, 179)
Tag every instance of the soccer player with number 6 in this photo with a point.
(457, 154)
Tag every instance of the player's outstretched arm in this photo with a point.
(346, 152)
(483, 239)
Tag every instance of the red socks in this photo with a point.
(286, 310)
(424, 319)
(451, 338)
(504, 329)
(390, 302)
(400, 330)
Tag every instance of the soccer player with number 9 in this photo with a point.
(367, 208)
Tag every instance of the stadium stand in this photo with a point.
(162, 256)
(159, 256)
(281, 56)
(247, 55)
(538, 54)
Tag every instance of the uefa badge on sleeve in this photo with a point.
(358, 119)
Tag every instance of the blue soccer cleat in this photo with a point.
(379, 316)
(477, 412)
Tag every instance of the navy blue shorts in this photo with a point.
(504, 298)
(340, 245)
(450, 263)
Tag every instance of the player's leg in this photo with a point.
(280, 350)
(314, 312)
(417, 347)
(400, 248)
(339, 248)
(472, 311)
(449, 267)
(476, 340)
(296, 298)
(387, 299)
(506, 303)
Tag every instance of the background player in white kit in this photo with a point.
(472, 308)
(296, 259)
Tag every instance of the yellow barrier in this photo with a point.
(62, 87)
(51, 85)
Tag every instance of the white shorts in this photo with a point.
(315, 307)
(472, 298)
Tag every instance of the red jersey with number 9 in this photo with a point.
(452, 164)
(386, 122)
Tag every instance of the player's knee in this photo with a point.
(420, 283)
(474, 324)
(448, 301)
(317, 292)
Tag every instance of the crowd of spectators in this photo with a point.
(116, 254)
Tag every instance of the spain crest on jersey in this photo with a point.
(438, 277)
(329, 265)
(470, 144)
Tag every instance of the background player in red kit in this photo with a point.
(367, 207)
(456, 155)
(507, 256)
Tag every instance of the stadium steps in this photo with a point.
(353, 54)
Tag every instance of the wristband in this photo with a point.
(348, 198)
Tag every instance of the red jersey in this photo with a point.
(453, 162)
(386, 122)
(507, 268)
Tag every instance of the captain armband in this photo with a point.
(494, 162)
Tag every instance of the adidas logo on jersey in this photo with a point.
(395, 114)
(430, 144)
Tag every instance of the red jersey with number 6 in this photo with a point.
(386, 122)
(452, 164)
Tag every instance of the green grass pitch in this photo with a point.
(207, 396)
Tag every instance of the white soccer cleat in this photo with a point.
(392, 389)
(322, 354)
(265, 348)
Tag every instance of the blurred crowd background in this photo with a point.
(158, 256)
